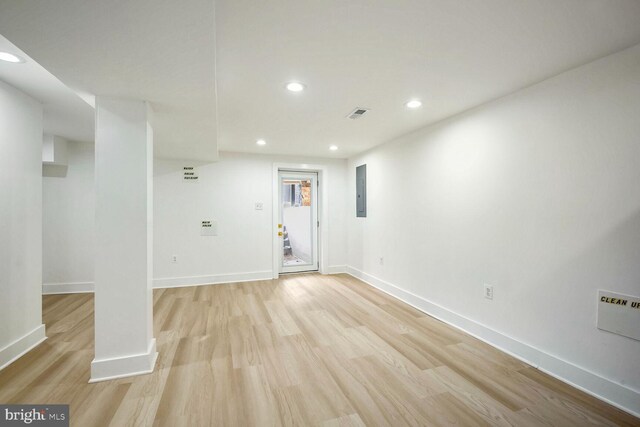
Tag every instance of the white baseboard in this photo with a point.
(178, 282)
(165, 282)
(124, 366)
(336, 269)
(67, 288)
(602, 388)
(21, 346)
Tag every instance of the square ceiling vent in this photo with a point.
(357, 113)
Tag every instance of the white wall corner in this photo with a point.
(54, 150)
(67, 288)
(602, 388)
(124, 366)
(336, 269)
(54, 156)
(21, 346)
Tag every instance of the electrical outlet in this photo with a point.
(174, 259)
(488, 291)
(381, 261)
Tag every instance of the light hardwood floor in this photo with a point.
(302, 350)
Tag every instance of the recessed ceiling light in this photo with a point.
(261, 142)
(295, 86)
(9, 57)
(413, 104)
(333, 147)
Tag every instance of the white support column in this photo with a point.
(124, 342)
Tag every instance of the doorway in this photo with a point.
(298, 221)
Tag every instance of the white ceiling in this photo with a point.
(162, 51)
(453, 55)
(64, 113)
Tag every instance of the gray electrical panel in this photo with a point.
(361, 191)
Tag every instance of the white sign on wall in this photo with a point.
(189, 174)
(209, 228)
(619, 313)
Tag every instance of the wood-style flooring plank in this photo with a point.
(304, 350)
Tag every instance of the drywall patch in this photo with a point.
(619, 313)
(209, 228)
(189, 174)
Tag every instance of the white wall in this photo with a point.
(227, 192)
(68, 223)
(538, 194)
(20, 223)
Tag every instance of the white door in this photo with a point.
(298, 221)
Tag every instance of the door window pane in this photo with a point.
(297, 222)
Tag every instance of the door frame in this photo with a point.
(315, 259)
(323, 214)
